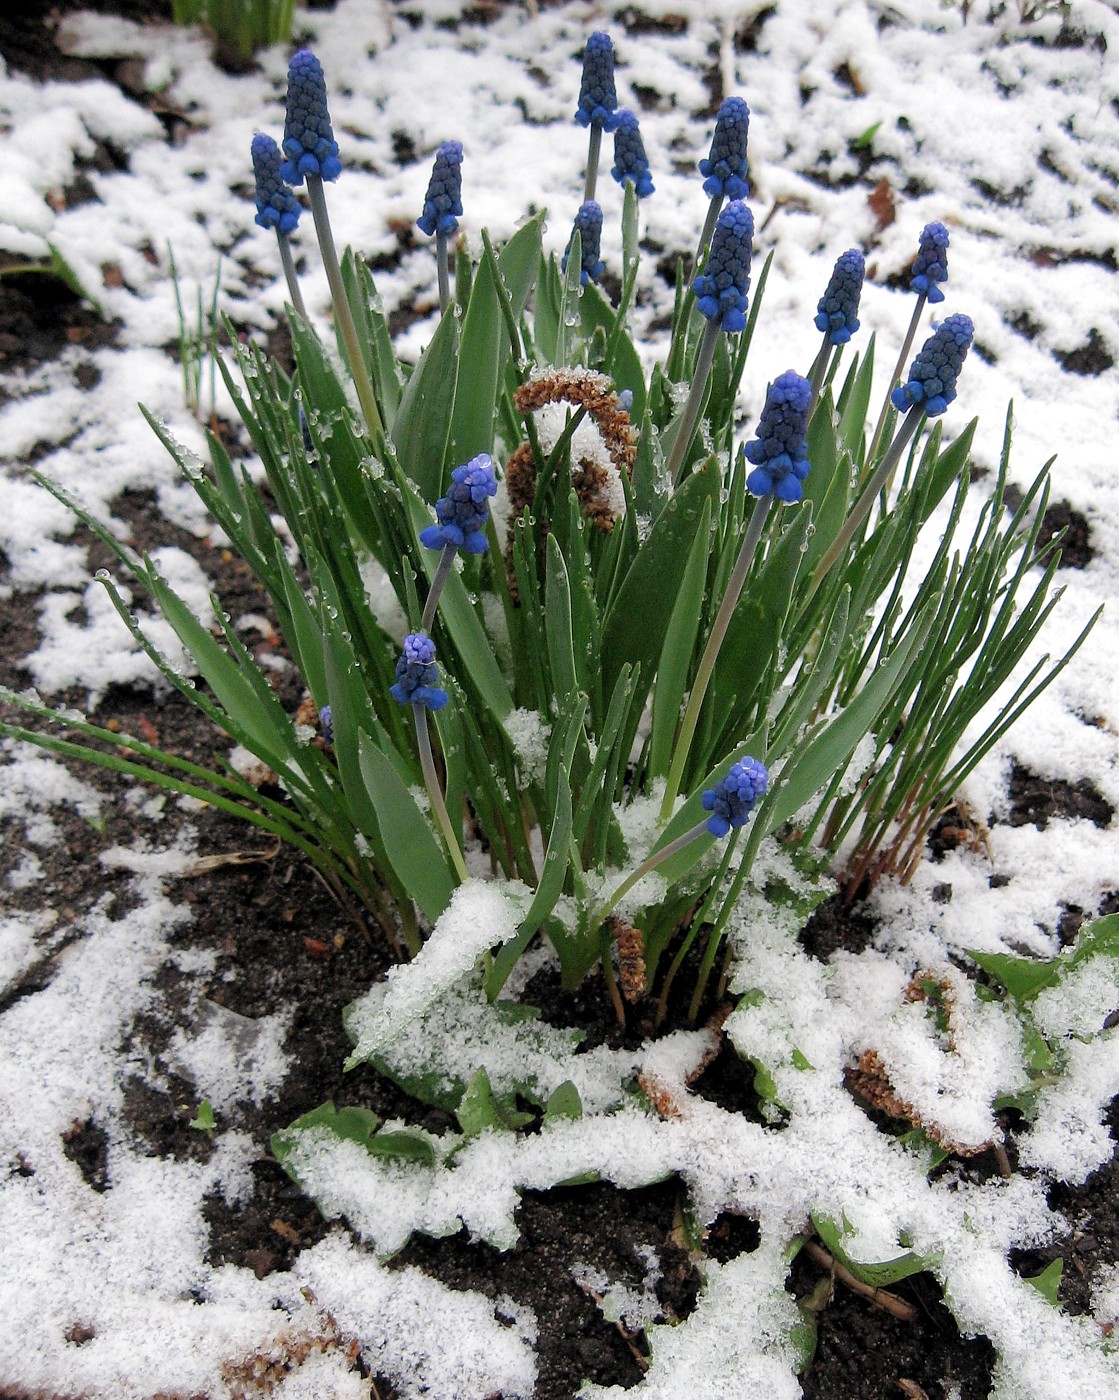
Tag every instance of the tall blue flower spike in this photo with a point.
(462, 513)
(780, 450)
(309, 142)
(721, 288)
(933, 374)
(838, 308)
(931, 263)
(417, 677)
(731, 800)
(597, 97)
(588, 223)
(276, 206)
(727, 166)
(444, 191)
(630, 160)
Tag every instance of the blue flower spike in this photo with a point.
(630, 160)
(326, 724)
(721, 289)
(309, 142)
(276, 205)
(444, 192)
(838, 309)
(930, 266)
(779, 453)
(597, 98)
(462, 513)
(933, 374)
(417, 676)
(732, 799)
(588, 224)
(727, 166)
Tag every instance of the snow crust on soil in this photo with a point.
(1007, 136)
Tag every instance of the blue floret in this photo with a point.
(597, 97)
(417, 676)
(933, 374)
(930, 266)
(444, 191)
(721, 288)
(726, 167)
(630, 161)
(309, 142)
(276, 206)
(780, 450)
(588, 224)
(838, 308)
(731, 800)
(462, 513)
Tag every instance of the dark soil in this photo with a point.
(281, 942)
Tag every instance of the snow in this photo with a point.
(1012, 143)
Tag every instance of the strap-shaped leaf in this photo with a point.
(414, 851)
(422, 428)
(679, 647)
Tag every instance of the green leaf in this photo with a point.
(880, 1275)
(679, 646)
(414, 851)
(479, 369)
(404, 1146)
(351, 1124)
(203, 1120)
(1023, 978)
(480, 1108)
(639, 612)
(563, 1102)
(422, 427)
(557, 620)
(1048, 1282)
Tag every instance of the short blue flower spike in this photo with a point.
(588, 223)
(597, 97)
(309, 142)
(838, 308)
(780, 450)
(721, 288)
(326, 724)
(276, 206)
(931, 263)
(731, 800)
(630, 160)
(444, 191)
(417, 676)
(727, 166)
(462, 513)
(933, 374)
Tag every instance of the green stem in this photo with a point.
(704, 360)
(896, 376)
(866, 500)
(713, 210)
(648, 865)
(442, 265)
(819, 369)
(446, 560)
(435, 792)
(342, 314)
(593, 149)
(711, 652)
(287, 262)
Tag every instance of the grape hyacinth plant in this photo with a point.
(634, 674)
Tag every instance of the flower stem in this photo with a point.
(288, 264)
(342, 313)
(818, 372)
(708, 229)
(435, 792)
(594, 147)
(443, 267)
(704, 360)
(711, 652)
(648, 865)
(862, 506)
(446, 559)
(903, 355)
